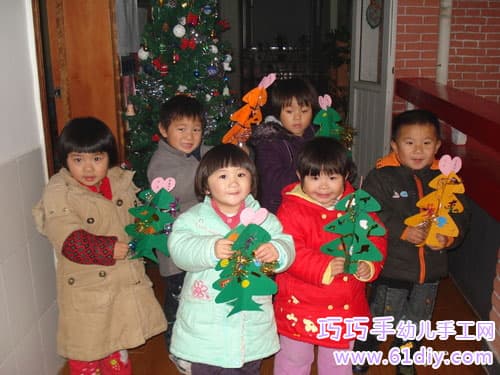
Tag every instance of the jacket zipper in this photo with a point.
(421, 251)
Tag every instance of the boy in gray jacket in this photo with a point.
(178, 155)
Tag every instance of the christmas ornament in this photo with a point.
(354, 227)
(436, 207)
(207, 9)
(192, 19)
(212, 70)
(250, 113)
(242, 276)
(175, 58)
(130, 110)
(160, 66)
(153, 220)
(187, 43)
(226, 64)
(179, 31)
(142, 54)
(213, 49)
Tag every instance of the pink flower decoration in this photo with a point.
(200, 290)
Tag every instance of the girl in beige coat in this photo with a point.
(106, 301)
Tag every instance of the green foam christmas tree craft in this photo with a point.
(153, 220)
(242, 277)
(435, 207)
(328, 119)
(330, 123)
(354, 227)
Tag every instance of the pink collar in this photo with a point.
(231, 221)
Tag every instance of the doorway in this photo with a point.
(298, 38)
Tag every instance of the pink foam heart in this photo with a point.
(325, 101)
(249, 216)
(448, 165)
(267, 80)
(159, 183)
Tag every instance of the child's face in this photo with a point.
(296, 118)
(416, 145)
(89, 169)
(183, 133)
(325, 188)
(229, 187)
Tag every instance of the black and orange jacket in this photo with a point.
(398, 189)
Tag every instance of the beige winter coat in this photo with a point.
(102, 309)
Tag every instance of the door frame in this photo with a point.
(87, 86)
(370, 107)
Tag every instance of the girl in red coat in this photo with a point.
(315, 289)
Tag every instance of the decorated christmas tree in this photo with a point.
(181, 52)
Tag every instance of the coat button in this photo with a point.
(102, 273)
(90, 220)
(346, 307)
(323, 216)
(71, 281)
(330, 307)
(345, 278)
(119, 202)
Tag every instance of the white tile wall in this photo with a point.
(28, 309)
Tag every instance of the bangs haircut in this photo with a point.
(86, 135)
(178, 107)
(420, 117)
(222, 156)
(325, 155)
(285, 90)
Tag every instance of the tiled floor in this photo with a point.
(152, 358)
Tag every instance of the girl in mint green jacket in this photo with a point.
(205, 338)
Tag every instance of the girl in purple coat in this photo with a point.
(277, 141)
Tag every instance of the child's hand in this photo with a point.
(120, 250)
(442, 239)
(364, 271)
(416, 235)
(337, 265)
(223, 248)
(266, 253)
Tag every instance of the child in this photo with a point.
(408, 283)
(106, 302)
(277, 141)
(178, 155)
(203, 333)
(315, 287)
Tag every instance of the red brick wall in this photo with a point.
(416, 41)
(475, 48)
(474, 62)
